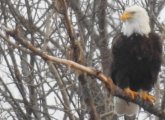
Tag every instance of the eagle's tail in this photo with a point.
(123, 107)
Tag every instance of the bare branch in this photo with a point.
(106, 80)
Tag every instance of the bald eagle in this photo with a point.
(136, 58)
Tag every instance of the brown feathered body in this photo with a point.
(136, 61)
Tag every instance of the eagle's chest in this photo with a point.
(138, 48)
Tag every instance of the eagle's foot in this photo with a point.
(131, 93)
(147, 97)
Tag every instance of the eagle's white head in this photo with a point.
(136, 20)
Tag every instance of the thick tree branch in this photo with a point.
(90, 71)
(79, 57)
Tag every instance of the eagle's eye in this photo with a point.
(132, 12)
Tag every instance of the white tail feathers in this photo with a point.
(125, 108)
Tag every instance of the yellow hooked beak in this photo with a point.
(126, 16)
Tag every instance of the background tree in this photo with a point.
(32, 87)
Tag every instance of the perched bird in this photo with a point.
(136, 58)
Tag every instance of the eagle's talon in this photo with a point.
(147, 97)
(131, 93)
